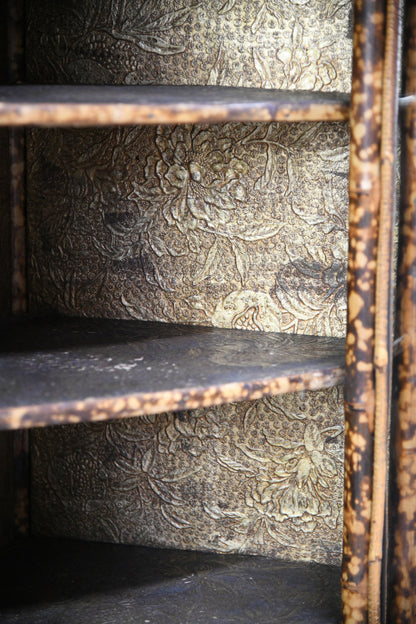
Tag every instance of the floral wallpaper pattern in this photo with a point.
(233, 225)
(188, 223)
(291, 44)
(263, 477)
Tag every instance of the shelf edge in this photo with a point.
(140, 404)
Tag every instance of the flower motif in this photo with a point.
(300, 487)
(197, 175)
(247, 309)
(303, 65)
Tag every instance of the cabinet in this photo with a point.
(80, 369)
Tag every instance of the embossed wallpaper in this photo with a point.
(234, 225)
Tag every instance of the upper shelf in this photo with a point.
(70, 370)
(121, 105)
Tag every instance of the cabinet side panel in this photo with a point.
(233, 225)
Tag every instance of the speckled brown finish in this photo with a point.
(383, 347)
(79, 369)
(404, 565)
(101, 106)
(359, 388)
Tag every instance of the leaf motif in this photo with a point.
(232, 464)
(242, 260)
(151, 273)
(154, 43)
(174, 520)
(227, 6)
(259, 456)
(297, 35)
(164, 493)
(335, 155)
(148, 461)
(312, 437)
(261, 15)
(263, 69)
(250, 417)
(278, 536)
(211, 262)
(167, 21)
(269, 170)
(158, 245)
(216, 513)
(280, 442)
(307, 135)
(251, 233)
(292, 175)
(182, 475)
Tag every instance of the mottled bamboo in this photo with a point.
(383, 347)
(363, 227)
(83, 105)
(403, 573)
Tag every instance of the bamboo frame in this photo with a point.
(383, 348)
(366, 103)
(403, 568)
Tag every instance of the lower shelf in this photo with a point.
(65, 581)
(56, 371)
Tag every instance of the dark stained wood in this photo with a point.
(106, 105)
(79, 369)
(18, 287)
(384, 314)
(363, 225)
(18, 219)
(403, 568)
(5, 228)
(66, 581)
(6, 486)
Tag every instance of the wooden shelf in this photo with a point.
(107, 105)
(71, 370)
(67, 581)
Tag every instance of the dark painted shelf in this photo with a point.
(43, 105)
(65, 370)
(89, 583)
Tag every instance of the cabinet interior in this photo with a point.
(184, 290)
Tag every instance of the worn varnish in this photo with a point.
(106, 105)
(359, 389)
(79, 369)
(403, 571)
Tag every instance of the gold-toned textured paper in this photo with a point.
(262, 477)
(233, 225)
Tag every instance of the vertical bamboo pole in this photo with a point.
(16, 60)
(363, 229)
(383, 348)
(403, 571)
